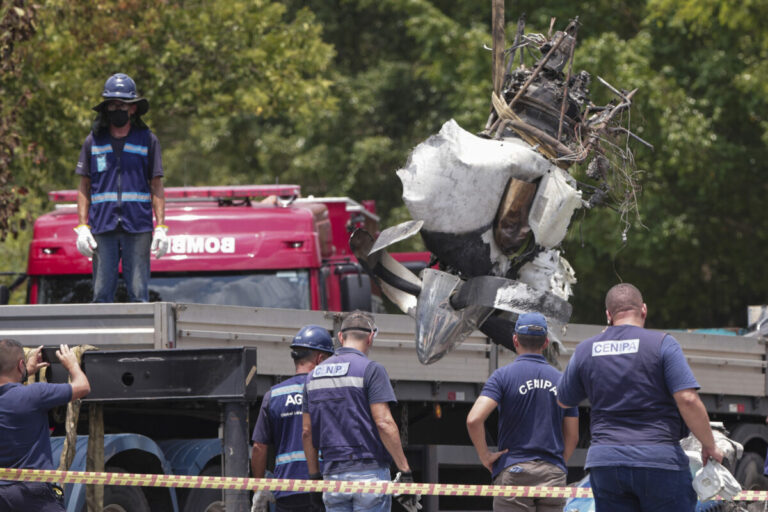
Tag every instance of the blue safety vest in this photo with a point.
(285, 420)
(342, 424)
(120, 193)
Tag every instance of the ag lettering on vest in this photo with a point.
(615, 347)
(293, 399)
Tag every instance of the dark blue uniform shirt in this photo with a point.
(530, 420)
(629, 374)
(24, 434)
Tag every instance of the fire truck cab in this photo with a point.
(252, 245)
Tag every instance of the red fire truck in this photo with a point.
(252, 245)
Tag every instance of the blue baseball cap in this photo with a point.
(532, 324)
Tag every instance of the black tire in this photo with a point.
(123, 498)
(205, 500)
(749, 472)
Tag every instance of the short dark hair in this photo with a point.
(10, 353)
(531, 341)
(357, 324)
(623, 297)
(304, 355)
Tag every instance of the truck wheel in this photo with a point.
(205, 500)
(122, 498)
(749, 472)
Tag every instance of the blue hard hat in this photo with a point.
(314, 337)
(122, 87)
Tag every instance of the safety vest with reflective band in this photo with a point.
(342, 425)
(624, 379)
(285, 421)
(120, 192)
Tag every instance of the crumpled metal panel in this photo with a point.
(454, 182)
(439, 327)
(379, 264)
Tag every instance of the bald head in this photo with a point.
(11, 352)
(624, 301)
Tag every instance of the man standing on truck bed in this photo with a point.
(280, 422)
(121, 183)
(536, 436)
(347, 417)
(24, 424)
(642, 394)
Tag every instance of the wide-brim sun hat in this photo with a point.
(121, 87)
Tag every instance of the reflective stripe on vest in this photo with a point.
(342, 425)
(285, 420)
(120, 192)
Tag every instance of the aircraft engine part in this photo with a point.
(440, 327)
(549, 271)
(512, 228)
(552, 209)
(454, 182)
(398, 283)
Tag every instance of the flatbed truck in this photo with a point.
(169, 415)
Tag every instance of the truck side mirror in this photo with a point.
(355, 292)
(5, 295)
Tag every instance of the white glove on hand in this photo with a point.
(85, 241)
(160, 241)
(261, 501)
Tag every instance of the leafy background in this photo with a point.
(334, 94)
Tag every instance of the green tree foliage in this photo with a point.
(333, 95)
(16, 26)
(702, 103)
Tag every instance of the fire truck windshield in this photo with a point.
(275, 289)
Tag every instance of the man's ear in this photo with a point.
(608, 318)
(546, 343)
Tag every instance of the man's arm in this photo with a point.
(389, 434)
(83, 199)
(695, 416)
(158, 199)
(310, 452)
(259, 460)
(480, 411)
(79, 382)
(570, 435)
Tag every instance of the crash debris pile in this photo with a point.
(493, 208)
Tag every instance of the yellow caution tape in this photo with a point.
(282, 484)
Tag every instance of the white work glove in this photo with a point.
(410, 502)
(160, 241)
(85, 241)
(261, 501)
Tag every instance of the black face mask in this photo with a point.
(24, 375)
(118, 118)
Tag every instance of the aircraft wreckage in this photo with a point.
(492, 208)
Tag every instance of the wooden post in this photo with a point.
(497, 29)
(94, 493)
